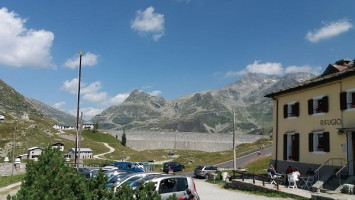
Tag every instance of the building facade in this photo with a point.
(34, 152)
(314, 121)
(58, 145)
(84, 153)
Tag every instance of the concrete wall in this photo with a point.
(6, 169)
(210, 142)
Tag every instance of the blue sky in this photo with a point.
(168, 48)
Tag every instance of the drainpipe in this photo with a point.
(277, 131)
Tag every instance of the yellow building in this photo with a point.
(314, 122)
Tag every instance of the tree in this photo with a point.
(124, 139)
(96, 186)
(147, 192)
(51, 178)
(124, 192)
(96, 127)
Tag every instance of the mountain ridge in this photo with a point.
(208, 111)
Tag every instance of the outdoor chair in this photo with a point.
(272, 178)
(291, 181)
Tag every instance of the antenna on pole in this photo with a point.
(234, 153)
(77, 115)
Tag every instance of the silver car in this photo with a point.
(205, 170)
(133, 177)
(167, 185)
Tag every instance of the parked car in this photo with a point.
(133, 177)
(167, 185)
(205, 170)
(174, 166)
(127, 166)
(139, 165)
(121, 175)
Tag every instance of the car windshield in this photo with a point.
(137, 182)
(199, 167)
(117, 177)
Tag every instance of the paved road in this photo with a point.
(241, 162)
(209, 191)
(98, 156)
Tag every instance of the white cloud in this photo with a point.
(233, 74)
(59, 105)
(329, 30)
(155, 93)
(148, 22)
(146, 87)
(95, 97)
(88, 112)
(88, 59)
(118, 99)
(91, 88)
(304, 68)
(70, 86)
(22, 47)
(270, 68)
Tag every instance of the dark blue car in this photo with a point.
(127, 166)
(173, 166)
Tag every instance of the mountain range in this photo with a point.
(14, 105)
(208, 111)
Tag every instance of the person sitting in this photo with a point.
(271, 170)
(310, 172)
(296, 174)
(289, 170)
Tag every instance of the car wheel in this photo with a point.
(206, 176)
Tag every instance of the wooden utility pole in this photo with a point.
(234, 153)
(13, 150)
(77, 115)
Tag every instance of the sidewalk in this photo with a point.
(295, 191)
(10, 189)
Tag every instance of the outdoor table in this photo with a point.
(307, 182)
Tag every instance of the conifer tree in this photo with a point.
(96, 126)
(51, 178)
(124, 192)
(96, 186)
(124, 139)
(147, 192)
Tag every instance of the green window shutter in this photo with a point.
(326, 141)
(297, 149)
(325, 104)
(310, 106)
(310, 142)
(297, 109)
(343, 105)
(285, 111)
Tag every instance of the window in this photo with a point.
(291, 110)
(347, 99)
(167, 185)
(318, 105)
(319, 142)
(182, 184)
(291, 146)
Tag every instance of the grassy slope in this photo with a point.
(189, 158)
